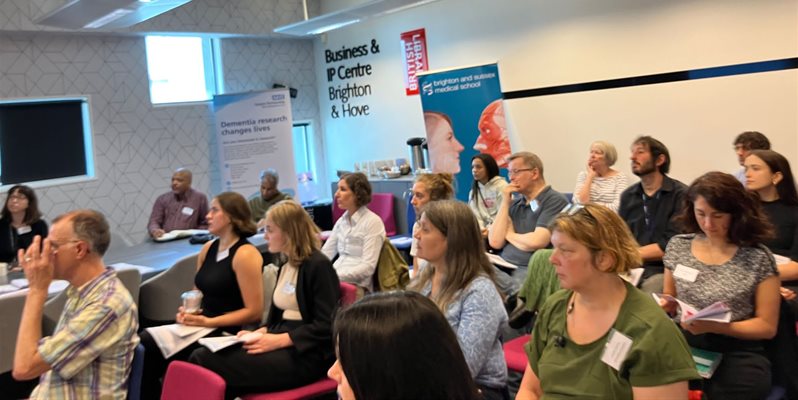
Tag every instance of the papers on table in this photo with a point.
(718, 311)
(56, 286)
(142, 269)
(175, 337)
(497, 260)
(401, 241)
(180, 233)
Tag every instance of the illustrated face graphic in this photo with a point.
(444, 149)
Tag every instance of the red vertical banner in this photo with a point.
(414, 56)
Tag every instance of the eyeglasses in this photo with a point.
(18, 197)
(572, 209)
(55, 245)
(518, 171)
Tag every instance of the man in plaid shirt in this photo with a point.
(89, 354)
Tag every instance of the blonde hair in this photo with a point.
(301, 234)
(439, 186)
(610, 154)
(600, 230)
(465, 251)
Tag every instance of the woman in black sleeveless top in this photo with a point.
(229, 277)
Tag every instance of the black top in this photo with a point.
(785, 218)
(11, 240)
(217, 282)
(650, 218)
(318, 292)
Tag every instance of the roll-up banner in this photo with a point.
(253, 133)
(464, 116)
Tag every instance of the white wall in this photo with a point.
(137, 146)
(542, 43)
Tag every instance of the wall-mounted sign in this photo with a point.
(346, 74)
(414, 58)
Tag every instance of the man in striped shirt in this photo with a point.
(90, 353)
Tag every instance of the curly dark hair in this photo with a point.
(359, 185)
(749, 224)
(752, 140)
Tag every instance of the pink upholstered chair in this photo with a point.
(323, 385)
(514, 354)
(382, 205)
(186, 381)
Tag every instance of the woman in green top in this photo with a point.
(601, 337)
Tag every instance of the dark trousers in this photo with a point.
(155, 364)
(741, 375)
(266, 372)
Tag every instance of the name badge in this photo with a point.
(354, 246)
(187, 211)
(289, 288)
(23, 230)
(222, 255)
(616, 349)
(685, 273)
(534, 205)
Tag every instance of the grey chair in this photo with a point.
(269, 283)
(10, 311)
(159, 296)
(131, 278)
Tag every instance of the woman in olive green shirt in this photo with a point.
(601, 337)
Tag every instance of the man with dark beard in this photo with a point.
(648, 207)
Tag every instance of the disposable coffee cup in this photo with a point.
(192, 301)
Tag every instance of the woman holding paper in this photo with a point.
(295, 347)
(229, 277)
(601, 337)
(721, 260)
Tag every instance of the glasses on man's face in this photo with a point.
(518, 171)
(56, 245)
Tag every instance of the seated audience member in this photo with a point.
(357, 236)
(768, 174)
(571, 351)
(269, 196)
(398, 345)
(182, 208)
(599, 183)
(459, 280)
(744, 144)
(649, 206)
(522, 224)
(295, 347)
(229, 277)
(20, 221)
(721, 259)
(89, 354)
(428, 187)
(486, 190)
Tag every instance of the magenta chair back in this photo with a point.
(186, 381)
(381, 204)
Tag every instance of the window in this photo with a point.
(46, 141)
(303, 148)
(181, 68)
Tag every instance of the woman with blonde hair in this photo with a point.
(295, 346)
(459, 280)
(600, 327)
(428, 187)
(599, 183)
